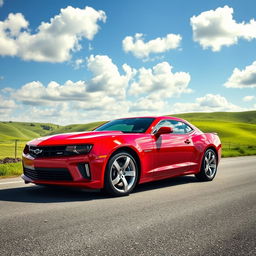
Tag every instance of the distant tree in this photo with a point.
(46, 127)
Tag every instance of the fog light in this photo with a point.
(87, 170)
(84, 169)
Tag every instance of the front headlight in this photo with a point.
(78, 149)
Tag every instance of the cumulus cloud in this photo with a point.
(106, 76)
(54, 41)
(36, 93)
(217, 28)
(148, 104)
(141, 49)
(248, 98)
(6, 103)
(243, 78)
(106, 82)
(103, 95)
(160, 81)
(6, 107)
(207, 103)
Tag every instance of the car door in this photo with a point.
(174, 151)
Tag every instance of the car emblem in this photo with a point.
(36, 151)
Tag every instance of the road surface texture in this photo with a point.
(177, 216)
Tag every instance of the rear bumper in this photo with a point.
(64, 171)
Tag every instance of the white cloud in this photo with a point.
(160, 82)
(105, 105)
(78, 63)
(207, 103)
(54, 40)
(35, 93)
(1, 3)
(248, 98)
(106, 76)
(9, 31)
(7, 90)
(103, 96)
(147, 104)
(216, 28)
(6, 103)
(6, 107)
(140, 49)
(105, 83)
(243, 78)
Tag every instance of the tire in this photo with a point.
(121, 175)
(208, 167)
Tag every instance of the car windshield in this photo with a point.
(127, 125)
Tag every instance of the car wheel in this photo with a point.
(208, 166)
(121, 174)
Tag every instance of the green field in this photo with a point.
(237, 131)
(21, 132)
(77, 127)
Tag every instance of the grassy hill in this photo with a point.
(237, 117)
(237, 131)
(22, 132)
(77, 127)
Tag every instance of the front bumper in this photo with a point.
(65, 171)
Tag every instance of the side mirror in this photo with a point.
(163, 130)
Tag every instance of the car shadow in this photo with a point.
(41, 194)
(45, 194)
(181, 180)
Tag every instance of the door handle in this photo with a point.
(187, 141)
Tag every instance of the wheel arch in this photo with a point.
(215, 151)
(129, 150)
(203, 153)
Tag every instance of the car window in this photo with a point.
(177, 126)
(127, 125)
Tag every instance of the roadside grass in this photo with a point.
(7, 148)
(10, 169)
(239, 151)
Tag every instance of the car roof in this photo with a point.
(158, 118)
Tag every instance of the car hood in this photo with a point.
(73, 138)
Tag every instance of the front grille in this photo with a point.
(51, 151)
(54, 174)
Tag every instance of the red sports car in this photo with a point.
(122, 153)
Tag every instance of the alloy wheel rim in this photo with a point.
(123, 173)
(210, 164)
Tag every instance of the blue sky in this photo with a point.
(79, 61)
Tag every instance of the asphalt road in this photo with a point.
(172, 217)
